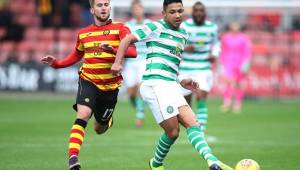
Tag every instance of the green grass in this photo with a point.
(34, 135)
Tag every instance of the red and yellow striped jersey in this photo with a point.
(96, 63)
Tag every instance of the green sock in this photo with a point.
(202, 114)
(139, 107)
(132, 101)
(197, 139)
(162, 150)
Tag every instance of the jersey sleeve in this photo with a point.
(144, 32)
(216, 45)
(124, 31)
(79, 45)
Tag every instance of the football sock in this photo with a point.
(202, 114)
(227, 95)
(197, 139)
(132, 101)
(239, 94)
(76, 136)
(162, 150)
(139, 103)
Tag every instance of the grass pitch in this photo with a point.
(34, 135)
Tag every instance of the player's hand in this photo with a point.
(189, 84)
(116, 69)
(212, 59)
(107, 48)
(189, 48)
(49, 59)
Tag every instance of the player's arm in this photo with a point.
(130, 52)
(216, 47)
(125, 43)
(246, 55)
(71, 59)
(141, 34)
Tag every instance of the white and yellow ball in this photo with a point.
(247, 164)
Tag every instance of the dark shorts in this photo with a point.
(101, 102)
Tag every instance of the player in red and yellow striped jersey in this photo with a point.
(98, 87)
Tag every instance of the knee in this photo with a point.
(84, 113)
(173, 134)
(99, 129)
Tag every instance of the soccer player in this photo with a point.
(134, 68)
(202, 49)
(98, 88)
(235, 62)
(165, 42)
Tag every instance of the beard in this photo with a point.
(101, 19)
(199, 20)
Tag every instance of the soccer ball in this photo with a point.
(247, 164)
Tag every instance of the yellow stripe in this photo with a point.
(99, 65)
(99, 76)
(76, 135)
(107, 87)
(74, 145)
(95, 43)
(78, 127)
(98, 33)
(80, 47)
(103, 55)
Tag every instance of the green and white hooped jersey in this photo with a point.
(205, 39)
(164, 49)
(140, 46)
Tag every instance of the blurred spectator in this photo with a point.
(50, 12)
(9, 29)
(76, 13)
(296, 23)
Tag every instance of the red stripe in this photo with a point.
(103, 82)
(103, 38)
(75, 140)
(99, 60)
(73, 152)
(92, 28)
(97, 70)
(78, 131)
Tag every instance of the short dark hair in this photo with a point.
(168, 2)
(198, 3)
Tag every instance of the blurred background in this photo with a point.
(30, 29)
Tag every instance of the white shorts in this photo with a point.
(133, 72)
(203, 78)
(164, 98)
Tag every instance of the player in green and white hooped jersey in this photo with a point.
(165, 42)
(134, 68)
(202, 50)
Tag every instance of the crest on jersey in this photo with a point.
(106, 32)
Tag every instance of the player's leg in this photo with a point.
(163, 106)
(205, 81)
(103, 112)
(187, 118)
(140, 111)
(171, 128)
(201, 111)
(131, 75)
(238, 93)
(84, 104)
(188, 99)
(227, 94)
